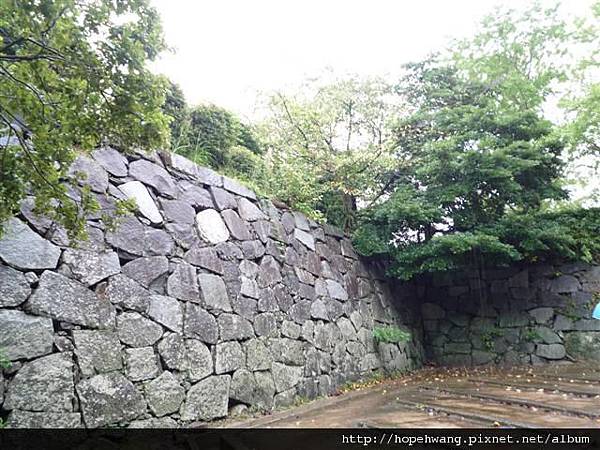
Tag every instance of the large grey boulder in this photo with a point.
(178, 211)
(211, 227)
(111, 160)
(23, 336)
(97, 351)
(269, 272)
(91, 267)
(173, 352)
(565, 284)
(69, 301)
(46, 419)
(109, 399)
(306, 238)
(199, 360)
(257, 391)
(139, 193)
(153, 175)
(22, 248)
(287, 351)
(141, 363)
(234, 328)
(214, 292)
(136, 330)
(249, 211)
(146, 270)
(167, 311)
(14, 287)
(229, 356)
(45, 384)
(183, 283)
(237, 227)
(286, 377)
(122, 291)
(551, 351)
(164, 394)
(89, 172)
(258, 356)
(200, 324)
(184, 165)
(129, 236)
(265, 324)
(205, 257)
(336, 290)
(207, 400)
(223, 199)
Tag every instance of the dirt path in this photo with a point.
(550, 396)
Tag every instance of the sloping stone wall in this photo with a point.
(206, 302)
(527, 315)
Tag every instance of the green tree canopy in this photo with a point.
(73, 73)
(477, 155)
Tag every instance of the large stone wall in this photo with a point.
(206, 302)
(527, 315)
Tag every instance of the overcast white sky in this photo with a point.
(227, 50)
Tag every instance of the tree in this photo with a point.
(476, 156)
(331, 143)
(72, 73)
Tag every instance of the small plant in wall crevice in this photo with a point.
(391, 334)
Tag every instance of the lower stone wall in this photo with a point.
(207, 302)
(522, 315)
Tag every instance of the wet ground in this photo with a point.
(565, 395)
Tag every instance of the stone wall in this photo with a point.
(206, 302)
(532, 315)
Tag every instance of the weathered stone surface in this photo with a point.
(207, 399)
(234, 327)
(89, 172)
(255, 391)
(305, 238)
(23, 336)
(542, 315)
(146, 270)
(128, 236)
(14, 287)
(287, 351)
(183, 283)
(108, 399)
(97, 351)
(223, 199)
(336, 290)
(565, 284)
(139, 193)
(237, 188)
(249, 288)
(318, 310)
(91, 267)
(300, 311)
(28, 419)
(111, 160)
(122, 291)
(199, 360)
(431, 311)
(249, 211)
(178, 211)
(265, 324)
(141, 363)
(199, 324)
(211, 227)
(173, 352)
(69, 301)
(546, 335)
(258, 357)
(164, 394)
(262, 229)
(285, 377)
(153, 175)
(301, 221)
(253, 249)
(551, 351)
(137, 331)
(195, 196)
(214, 292)
(167, 311)
(205, 257)
(584, 345)
(228, 357)
(45, 384)
(237, 227)
(22, 248)
(153, 423)
(269, 272)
